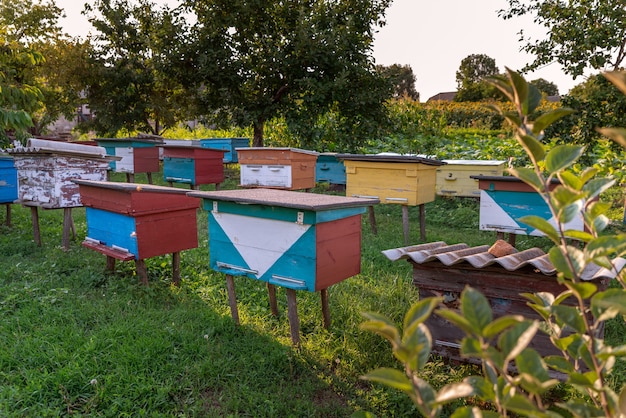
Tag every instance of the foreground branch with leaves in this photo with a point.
(585, 360)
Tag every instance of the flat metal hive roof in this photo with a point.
(286, 198)
(500, 254)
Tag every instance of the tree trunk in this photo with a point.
(257, 139)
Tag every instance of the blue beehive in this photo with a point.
(330, 169)
(8, 180)
(227, 144)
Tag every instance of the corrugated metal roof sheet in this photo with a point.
(501, 253)
(42, 146)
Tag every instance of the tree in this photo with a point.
(32, 43)
(546, 87)
(402, 79)
(596, 103)
(129, 79)
(470, 78)
(251, 61)
(580, 33)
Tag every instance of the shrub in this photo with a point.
(585, 359)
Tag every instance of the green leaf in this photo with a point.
(473, 412)
(570, 316)
(392, 378)
(614, 299)
(618, 78)
(500, 324)
(420, 311)
(559, 364)
(523, 406)
(382, 326)
(476, 309)
(595, 187)
(533, 147)
(581, 409)
(562, 156)
(618, 135)
(584, 289)
(529, 361)
(622, 401)
(456, 319)
(604, 246)
(570, 212)
(528, 176)
(548, 118)
(574, 255)
(417, 343)
(513, 341)
(454, 391)
(542, 225)
(578, 235)
(570, 180)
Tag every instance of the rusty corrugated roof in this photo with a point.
(501, 253)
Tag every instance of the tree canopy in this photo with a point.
(471, 78)
(546, 87)
(402, 79)
(580, 33)
(253, 60)
(128, 78)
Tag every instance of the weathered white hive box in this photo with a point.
(454, 178)
(45, 171)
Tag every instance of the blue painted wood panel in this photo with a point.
(179, 170)
(227, 144)
(330, 169)
(112, 229)
(8, 180)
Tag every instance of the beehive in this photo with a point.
(46, 169)
(330, 169)
(137, 155)
(138, 219)
(500, 272)
(192, 165)
(455, 177)
(8, 180)
(281, 168)
(394, 179)
(229, 145)
(506, 199)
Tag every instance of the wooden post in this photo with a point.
(271, 292)
(176, 268)
(217, 186)
(512, 237)
(422, 222)
(292, 314)
(372, 217)
(34, 214)
(149, 177)
(8, 219)
(67, 227)
(325, 310)
(130, 177)
(142, 271)
(110, 268)
(232, 298)
(170, 183)
(405, 223)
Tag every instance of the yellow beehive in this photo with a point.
(395, 179)
(453, 178)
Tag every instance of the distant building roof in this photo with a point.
(447, 96)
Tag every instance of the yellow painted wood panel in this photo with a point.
(454, 180)
(392, 182)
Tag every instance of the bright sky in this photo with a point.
(432, 37)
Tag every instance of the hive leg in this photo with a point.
(372, 217)
(67, 228)
(271, 292)
(176, 268)
(34, 214)
(232, 298)
(292, 314)
(422, 222)
(142, 271)
(325, 309)
(405, 223)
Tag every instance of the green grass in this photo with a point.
(75, 341)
